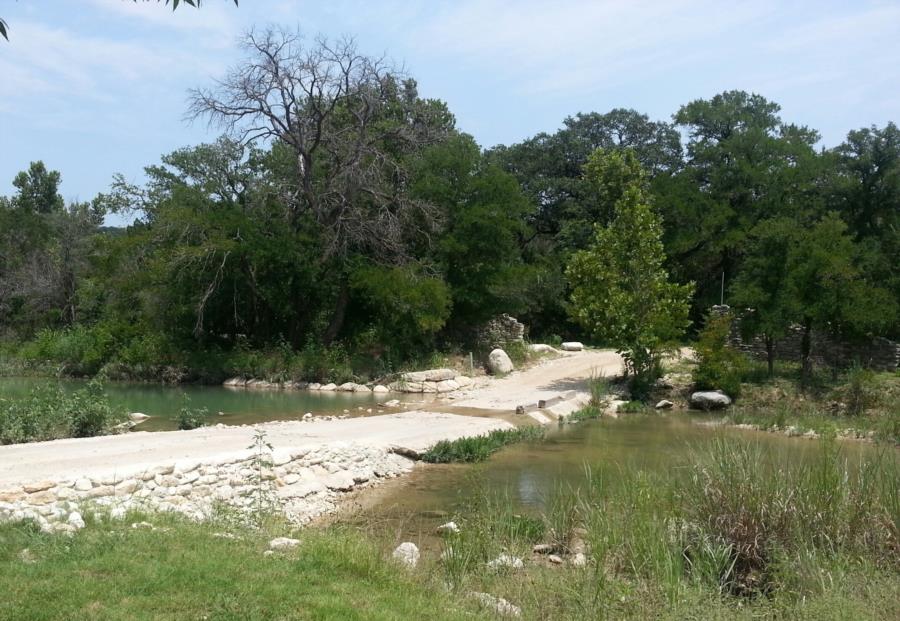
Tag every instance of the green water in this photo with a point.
(225, 405)
(529, 474)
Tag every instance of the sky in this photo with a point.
(98, 87)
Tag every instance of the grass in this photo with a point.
(183, 570)
(478, 448)
(732, 531)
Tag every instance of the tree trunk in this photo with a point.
(806, 353)
(340, 312)
(770, 355)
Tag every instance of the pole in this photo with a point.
(722, 301)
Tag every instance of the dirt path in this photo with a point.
(549, 379)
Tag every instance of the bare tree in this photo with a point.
(350, 123)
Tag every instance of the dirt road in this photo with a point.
(547, 380)
(131, 453)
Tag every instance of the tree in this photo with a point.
(744, 165)
(761, 288)
(620, 290)
(349, 124)
(4, 27)
(829, 291)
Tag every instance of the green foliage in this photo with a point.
(861, 390)
(719, 366)
(50, 413)
(620, 289)
(192, 418)
(478, 448)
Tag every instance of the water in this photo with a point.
(528, 474)
(225, 405)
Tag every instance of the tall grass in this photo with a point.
(478, 448)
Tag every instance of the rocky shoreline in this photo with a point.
(434, 381)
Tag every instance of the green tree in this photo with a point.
(745, 165)
(828, 290)
(620, 290)
(760, 291)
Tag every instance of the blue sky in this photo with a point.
(96, 87)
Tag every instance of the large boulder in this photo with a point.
(710, 400)
(431, 375)
(541, 348)
(572, 346)
(499, 362)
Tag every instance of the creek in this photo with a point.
(225, 405)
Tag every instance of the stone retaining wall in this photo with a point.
(303, 483)
(877, 353)
(501, 331)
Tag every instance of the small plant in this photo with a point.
(262, 497)
(599, 387)
(859, 394)
(192, 418)
(719, 366)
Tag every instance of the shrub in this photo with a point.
(48, 413)
(192, 418)
(859, 394)
(719, 366)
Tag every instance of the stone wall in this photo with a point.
(501, 331)
(303, 483)
(877, 353)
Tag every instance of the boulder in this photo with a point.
(497, 604)
(710, 400)
(314, 386)
(463, 380)
(506, 561)
(665, 404)
(40, 486)
(407, 553)
(235, 382)
(76, 520)
(380, 389)
(541, 348)
(361, 388)
(572, 346)
(347, 387)
(450, 528)
(430, 375)
(329, 387)
(499, 362)
(137, 417)
(283, 543)
(447, 386)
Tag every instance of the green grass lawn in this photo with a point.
(184, 571)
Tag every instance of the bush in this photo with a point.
(48, 413)
(192, 418)
(860, 393)
(719, 366)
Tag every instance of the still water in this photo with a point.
(527, 475)
(225, 405)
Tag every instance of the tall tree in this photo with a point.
(620, 289)
(349, 122)
(744, 165)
